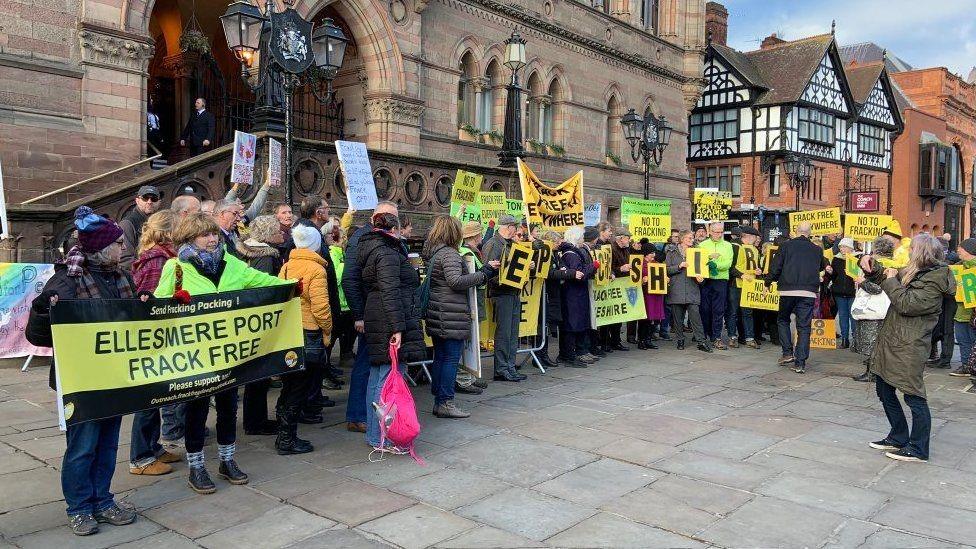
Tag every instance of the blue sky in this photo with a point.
(924, 33)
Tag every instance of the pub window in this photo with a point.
(699, 177)
(816, 126)
(814, 189)
(774, 173)
(936, 167)
(871, 140)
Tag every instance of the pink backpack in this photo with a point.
(396, 412)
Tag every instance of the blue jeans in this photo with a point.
(714, 297)
(377, 375)
(88, 465)
(918, 441)
(965, 337)
(443, 372)
(847, 322)
(357, 407)
(174, 421)
(802, 307)
(144, 444)
(734, 312)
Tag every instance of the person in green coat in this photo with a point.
(203, 266)
(916, 293)
(715, 288)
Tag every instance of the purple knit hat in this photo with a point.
(95, 233)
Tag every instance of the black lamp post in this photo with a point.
(276, 51)
(648, 137)
(512, 143)
(797, 168)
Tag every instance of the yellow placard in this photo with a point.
(957, 274)
(655, 228)
(557, 208)
(711, 205)
(747, 261)
(619, 301)
(492, 206)
(636, 268)
(822, 222)
(657, 278)
(755, 295)
(531, 298)
(823, 334)
(697, 262)
(603, 255)
(852, 266)
(541, 261)
(768, 256)
(466, 187)
(828, 255)
(515, 268)
(865, 227)
(967, 280)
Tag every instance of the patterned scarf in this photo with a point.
(75, 260)
(88, 287)
(208, 262)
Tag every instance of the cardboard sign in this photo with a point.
(591, 214)
(697, 261)
(531, 298)
(619, 301)
(464, 192)
(865, 227)
(852, 266)
(822, 222)
(274, 162)
(655, 228)
(358, 174)
(630, 206)
(636, 268)
(557, 208)
(515, 208)
(823, 334)
(755, 295)
(604, 255)
(967, 279)
(768, 256)
(828, 254)
(747, 260)
(657, 278)
(514, 269)
(242, 165)
(492, 205)
(542, 259)
(711, 204)
(957, 274)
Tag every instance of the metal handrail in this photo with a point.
(90, 179)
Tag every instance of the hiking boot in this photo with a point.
(230, 471)
(169, 457)
(322, 401)
(904, 454)
(288, 444)
(356, 427)
(448, 410)
(83, 525)
(720, 345)
(885, 444)
(469, 390)
(116, 516)
(785, 359)
(480, 383)
(585, 359)
(200, 481)
(734, 343)
(751, 343)
(507, 376)
(704, 348)
(153, 469)
(799, 368)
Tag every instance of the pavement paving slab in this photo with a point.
(418, 526)
(526, 513)
(606, 530)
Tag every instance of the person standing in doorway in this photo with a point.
(200, 129)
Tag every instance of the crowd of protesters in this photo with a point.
(359, 289)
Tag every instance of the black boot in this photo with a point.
(200, 481)
(230, 471)
(309, 417)
(288, 442)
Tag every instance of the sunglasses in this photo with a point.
(150, 198)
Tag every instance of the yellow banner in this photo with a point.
(865, 227)
(711, 205)
(515, 268)
(823, 334)
(755, 295)
(823, 222)
(657, 278)
(828, 254)
(967, 280)
(464, 196)
(655, 228)
(557, 208)
(604, 256)
(852, 266)
(697, 262)
(531, 298)
(541, 261)
(619, 301)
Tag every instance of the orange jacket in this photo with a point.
(309, 266)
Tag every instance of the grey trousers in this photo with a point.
(508, 311)
(678, 311)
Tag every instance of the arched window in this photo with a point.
(466, 106)
(487, 100)
(649, 14)
(552, 119)
(612, 132)
(532, 114)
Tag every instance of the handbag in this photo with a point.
(868, 306)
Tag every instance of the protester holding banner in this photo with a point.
(869, 290)
(92, 271)
(146, 455)
(391, 314)
(745, 265)
(471, 246)
(715, 288)
(203, 266)
(448, 315)
(507, 303)
(575, 327)
(842, 289)
(557, 277)
(796, 270)
(620, 265)
(916, 293)
(684, 295)
(962, 321)
(653, 302)
(306, 264)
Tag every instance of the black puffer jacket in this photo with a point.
(448, 312)
(389, 284)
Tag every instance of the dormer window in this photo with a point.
(816, 126)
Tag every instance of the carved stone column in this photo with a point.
(393, 122)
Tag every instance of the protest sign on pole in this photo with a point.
(822, 222)
(630, 206)
(471, 352)
(823, 334)
(865, 227)
(20, 283)
(768, 256)
(4, 227)
(119, 356)
(274, 162)
(492, 206)
(464, 192)
(515, 208)
(358, 174)
(852, 266)
(657, 278)
(242, 165)
(619, 301)
(655, 228)
(755, 295)
(591, 214)
(515, 270)
(711, 204)
(697, 263)
(557, 208)
(604, 256)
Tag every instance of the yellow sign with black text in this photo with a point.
(657, 278)
(823, 334)
(604, 256)
(516, 265)
(822, 222)
(557, 208)
(865, 227)
(619, 301)
(655, 228)
(697, 262)
(755, 295)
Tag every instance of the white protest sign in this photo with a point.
(360, 188)
(591, 214)
(242, 167)
(274, 162)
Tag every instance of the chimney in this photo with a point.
(717, 23)
(770, 41)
